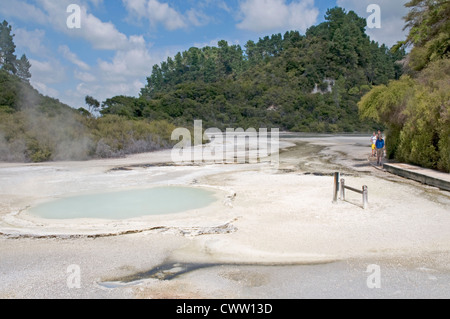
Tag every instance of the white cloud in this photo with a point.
(157, 13)
(135, 61)
(44, 89)
(23, 11)
(101, 35)
(84, 89)
(223, 5)
(72, 57)
(197, 18)
(31, 41)
(162, 13)
(96, 2)
(85, 76)
(277, 15)
(129, 88)
(48, 72)
(122, 75)
(136, 7)
(392, 23)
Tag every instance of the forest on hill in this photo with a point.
(294, 82)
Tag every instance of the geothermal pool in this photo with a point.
(126, 204)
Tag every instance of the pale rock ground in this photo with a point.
(271, 234)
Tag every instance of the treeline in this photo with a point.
(416, 108)
(309, 83)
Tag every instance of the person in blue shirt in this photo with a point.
(380, 146)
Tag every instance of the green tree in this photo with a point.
(7, 48)
(23, 68)
(120, 105)
(93, 104)
(429, 25)
(416, 107)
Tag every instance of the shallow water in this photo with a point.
(126, 204)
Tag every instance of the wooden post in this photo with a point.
(365, 197)
(336, 188)
(342, 189)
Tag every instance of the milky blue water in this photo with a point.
(126, 204)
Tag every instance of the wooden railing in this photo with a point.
(340, 187)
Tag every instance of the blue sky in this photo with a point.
(119, 41)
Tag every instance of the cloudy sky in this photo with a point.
(119, 41)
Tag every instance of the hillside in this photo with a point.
(308, 83)
(37, 128)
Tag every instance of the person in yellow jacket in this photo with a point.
(373, 139)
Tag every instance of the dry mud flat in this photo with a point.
(272, 233)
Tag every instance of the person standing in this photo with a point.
(374, 142)
(380, 146)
